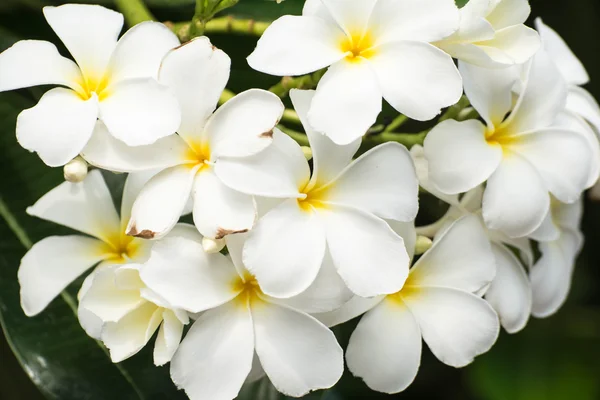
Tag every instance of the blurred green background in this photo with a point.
(553, 359)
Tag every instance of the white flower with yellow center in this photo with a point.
(552, 274)
(440, 304)
(339, 211)
(56, 261)
(510, 291)
(492, 34)
(522, 153)
(197, 73)
(374, 49)
(240, 325)
(112, 81)
(580, 103)
(130, 313)
(579, 100)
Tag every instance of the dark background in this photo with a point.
(556, 358)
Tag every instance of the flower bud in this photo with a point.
(307, 152)
(423, 244)
(75, 170)
(212, 245)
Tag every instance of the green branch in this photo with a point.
(227, 24)
(407, 139)
(288, 83)
(134, 11)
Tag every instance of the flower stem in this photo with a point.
(134, 11)
(396, 123)
(407, 139)
(227, 24)
(287, 83)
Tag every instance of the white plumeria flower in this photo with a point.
(524, 157)
(130, 313)
(439, 303)
(510, 291)
(375, 49)
(56, 261)
(240, 325)
(552, 274)
(338, 211)
(112, 81)
(579, 100)
(197, 73)
(492, 34)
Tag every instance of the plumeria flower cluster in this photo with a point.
(282, 248)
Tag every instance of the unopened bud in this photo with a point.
(75, 170)
(307, 152)
(423, 244)
(212, 245)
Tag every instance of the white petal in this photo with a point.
(140, 111)
(548, 231)
(353, 308)
(90, 322)
(51, 265)
(509, 12)
(512, 45)
(461, 258)
(417, 153)
(215, 357)
(515, 199)
(297, 352)
(385, 347)
(457, 326)
(382, 181)
(186, 277)
(329, 159)
(36, 62)
(489, 90)
(139, 52)
(160, 203)
(109, 301)
(86, 206)
(279, 171)
(351, 15)
(295, 45)
(422, 20)
(543, 97)
(417, 79)
(219, 210)
(195, 67)
(369, 256)
(285, 250)
(89, 32)
(131, 333)
(408, 233)
(235, 247)
(244, 125)
(563, 159)
(510, 292)
(328, 292)
(107, 152)
(567, 62)
(551, 275)
(461, 145)
(58, 127)
(581, 102)
(168, 338)
(347, 102)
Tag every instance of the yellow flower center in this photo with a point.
(314, 197)
(248, 289)
(500, 136)
(358, 46)
(197, 153)
(121, 248)
(91, 85)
